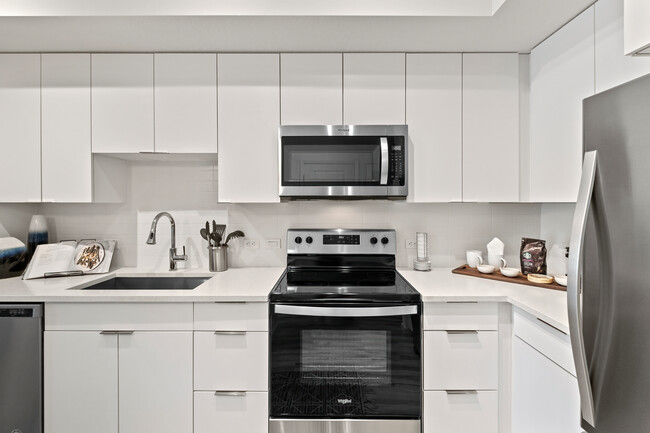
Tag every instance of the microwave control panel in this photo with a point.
(396, 164)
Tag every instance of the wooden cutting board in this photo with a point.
(496, 275)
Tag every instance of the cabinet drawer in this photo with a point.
(461, 361)
(231, 360)
(475, 412)
(461, 316)
(232, 316)
(118, 316)
(553, 343)
(239, 412)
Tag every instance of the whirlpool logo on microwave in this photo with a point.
(344, 400)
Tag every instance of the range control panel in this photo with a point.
(341, 241)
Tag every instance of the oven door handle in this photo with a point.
(298, 310)
(384, 160)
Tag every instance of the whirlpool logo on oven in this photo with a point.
(344, 400)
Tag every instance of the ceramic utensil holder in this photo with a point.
(218, 259)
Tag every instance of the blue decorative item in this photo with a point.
(13, 257)
(37, 234)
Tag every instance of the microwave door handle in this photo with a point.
(298, 310)
(574, 286)
(384, 160)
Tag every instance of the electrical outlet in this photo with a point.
(411, 243)
(272, 244)
(251, 243)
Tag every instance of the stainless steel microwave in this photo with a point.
(343, 161)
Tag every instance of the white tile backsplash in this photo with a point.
(188, 190)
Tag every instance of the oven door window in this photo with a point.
(331, 161)
(338, 367)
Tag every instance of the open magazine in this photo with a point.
(69, 258)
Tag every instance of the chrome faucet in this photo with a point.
(151, 240)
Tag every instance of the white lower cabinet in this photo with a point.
(231, 360)
(461, 412)
(230, 412)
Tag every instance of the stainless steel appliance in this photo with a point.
(345, 337)
(21, 368)
(609, 277)
(343, 161)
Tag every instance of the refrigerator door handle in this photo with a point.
(574, 285)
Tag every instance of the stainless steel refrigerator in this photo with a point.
(609, 263)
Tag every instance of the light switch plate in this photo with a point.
(273, 243)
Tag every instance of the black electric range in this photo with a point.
(345, 336)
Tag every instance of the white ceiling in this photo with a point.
(517, 26)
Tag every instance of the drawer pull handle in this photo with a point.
(460, 391)
(230, 393)
(230, 332)
(554, 327)
(461, 331)
(116, 332)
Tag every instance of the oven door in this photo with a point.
(334, 165)
(333, 362)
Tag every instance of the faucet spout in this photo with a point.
(151, 239)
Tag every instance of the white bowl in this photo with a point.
(561, 279)
(510, 272)
(485, 269)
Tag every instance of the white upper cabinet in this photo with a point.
(561, 76)
(311, 89)
(612, 66)
(20, 127)
(637, 30)
(491, 127)
(122, 103)
(249, 116)
(374, 89)
(186, 103)
(66, 149)
(434, 117)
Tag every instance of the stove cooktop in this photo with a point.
(343, 285)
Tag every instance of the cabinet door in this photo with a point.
(249, 116)
(66, 149)
(231, 412)
(434, 116)
(122, 103)
(374, 88)
(544, 396)
(80, 382)
(155, 382)
(491, 127)
(20, 127)
(561, 76)
(613, 67)
(186, 103)
(311, 89)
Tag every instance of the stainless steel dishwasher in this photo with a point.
(21, 368)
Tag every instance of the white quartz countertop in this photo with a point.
(254, 285)
(440, 285)
(239, 284)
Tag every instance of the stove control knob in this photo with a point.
(373, 240)
(384, 240)
(309, 240)
(298, 240)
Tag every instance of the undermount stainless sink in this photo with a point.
(149, 283)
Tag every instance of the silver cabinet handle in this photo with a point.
(116, 332)
(346, 311)
(384, 161)
(458, 331)
(230, 332)
(230, 393)
(460, 391)
(574, 285)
